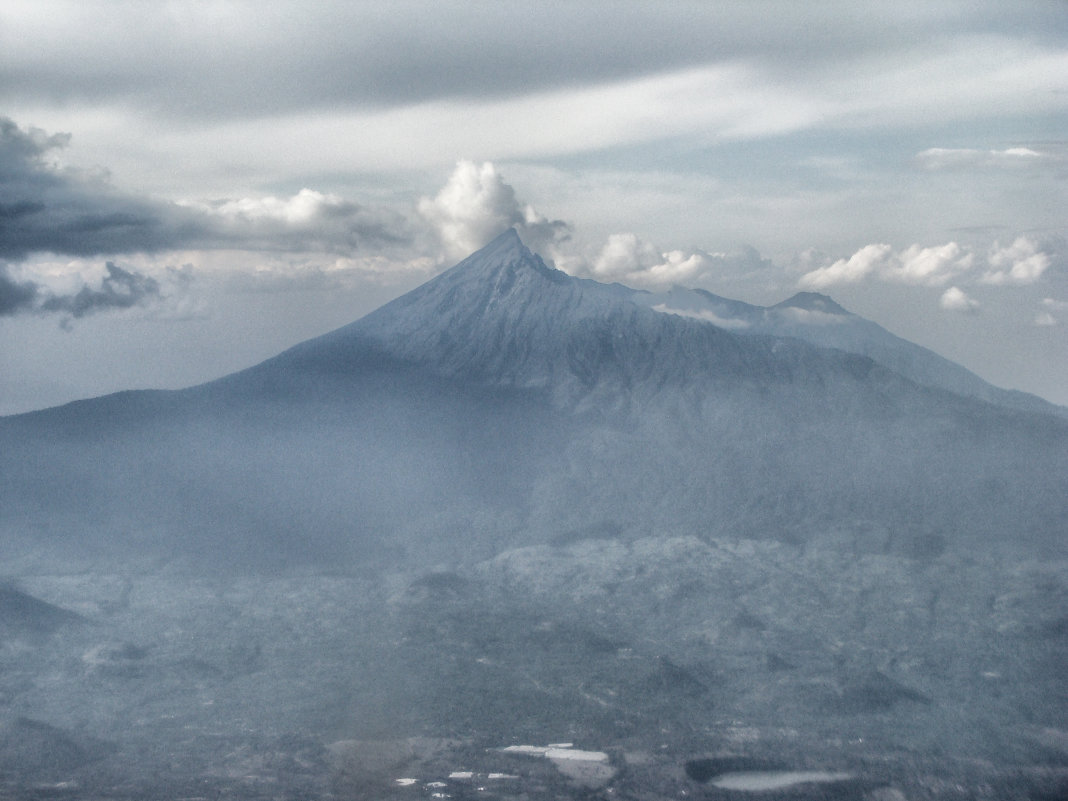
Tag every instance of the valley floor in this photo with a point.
(686, 668)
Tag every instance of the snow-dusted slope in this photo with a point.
(818, 319)
(503, 316)
(499, 315)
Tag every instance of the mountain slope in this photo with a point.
(541, 406)
(819, 320)
(504, 317)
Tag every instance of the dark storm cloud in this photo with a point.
(120, 289)
(44, 208)
(233, 60)
(15, 296)
(47, 209)
(18, 146)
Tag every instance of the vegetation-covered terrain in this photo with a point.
(679, 659)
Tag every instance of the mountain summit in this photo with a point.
(495, 314)
(811, 301)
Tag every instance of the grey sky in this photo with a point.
(235, 59)
(264, 172)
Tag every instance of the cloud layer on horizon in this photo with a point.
(942, 158)
(48, 209)
(1021, 263)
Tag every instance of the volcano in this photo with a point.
(521, 535)
(544, 404)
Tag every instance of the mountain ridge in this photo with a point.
(812, 301)
(499, 312)
(510, 298)
(507, 391)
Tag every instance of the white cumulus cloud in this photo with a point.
(1021, 263)
(930, 266)
(625, 254)
(857, 267)
(300, 209)
(628, 258)
(956, 300)
(476, 204)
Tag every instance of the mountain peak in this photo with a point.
(506, 246)
(496, 313)
(812, 301)
(507, 239)
(504, 252)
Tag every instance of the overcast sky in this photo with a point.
(187, 188)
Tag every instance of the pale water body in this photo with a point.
(758, 780)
